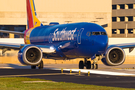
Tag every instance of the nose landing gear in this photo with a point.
(94, 66)
(88, 64)
(95, 61)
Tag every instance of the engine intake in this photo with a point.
(30, 55)
(114, 56)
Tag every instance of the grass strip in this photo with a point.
(18, 83)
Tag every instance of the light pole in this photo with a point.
(126, 31)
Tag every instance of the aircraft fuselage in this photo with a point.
(73, 40)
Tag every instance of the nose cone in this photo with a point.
(102, 44)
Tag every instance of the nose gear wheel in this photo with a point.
(94, 66)
(88, 64)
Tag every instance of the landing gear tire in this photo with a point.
(41, 65)
(88, 65)
(81, 65)
(33, 67)
(94, 66)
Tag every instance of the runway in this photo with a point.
(54, 74)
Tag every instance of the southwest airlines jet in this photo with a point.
(64, 42)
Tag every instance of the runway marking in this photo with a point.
(99, 72)
(118, 82)
(77, 70)
(75, 74)
(7, 67)
(127, 69)
(38, 81)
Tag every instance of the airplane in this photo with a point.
(64, 42)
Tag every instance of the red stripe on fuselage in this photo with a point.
(29, 14)
(25, 35)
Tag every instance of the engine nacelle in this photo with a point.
(30, 55)
(114, 56)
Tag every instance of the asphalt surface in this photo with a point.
(74, 77)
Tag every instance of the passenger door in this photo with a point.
(79, 35)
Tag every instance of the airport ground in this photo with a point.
(124, 79)
(115, 76)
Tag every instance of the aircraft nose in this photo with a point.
(102, 43)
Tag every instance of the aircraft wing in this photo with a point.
(131, 46)
(9, 46)
(13, 32)
(104, 25)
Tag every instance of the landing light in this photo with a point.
(60, 46)
(52, 48)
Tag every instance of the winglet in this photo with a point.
(31, 15)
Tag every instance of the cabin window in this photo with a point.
(88, 34)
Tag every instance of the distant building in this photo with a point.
(13, 13)
(123, 18)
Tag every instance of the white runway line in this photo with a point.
(99, 72)
(83, 71)
(7, 67)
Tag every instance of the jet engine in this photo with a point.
(114, 56)
(30, 55)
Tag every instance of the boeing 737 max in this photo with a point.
(65, 41)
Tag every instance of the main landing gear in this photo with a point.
(40, 66)
(88, 64)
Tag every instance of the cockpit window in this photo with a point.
(95, 33)
(99, 33)
(103, 33)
